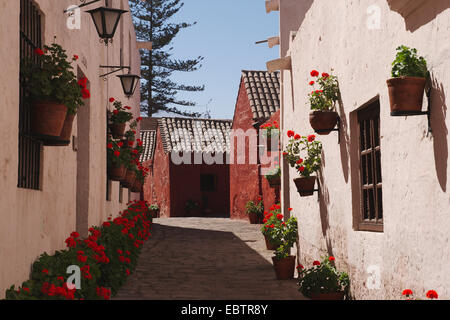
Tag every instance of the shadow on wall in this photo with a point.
(417, 13)
(324, 201)
(345, 140)
(440, 132)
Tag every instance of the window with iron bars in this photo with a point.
(29, 166)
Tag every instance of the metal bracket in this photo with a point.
(119, 68)
(338, 129)
(419, 113)
(83, 4)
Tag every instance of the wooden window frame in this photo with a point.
(371, 113)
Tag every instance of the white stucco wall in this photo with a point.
(413, 251)
(38, 221)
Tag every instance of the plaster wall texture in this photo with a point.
(413, 250)
(38, 221)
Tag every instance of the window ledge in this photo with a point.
(406, 7)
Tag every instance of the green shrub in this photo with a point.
(408, 64)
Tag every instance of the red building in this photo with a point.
(187, 158)
(257, 104)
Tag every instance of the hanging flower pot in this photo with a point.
(305, 185)
(407, 86)
(117, 130)
(284, 267)
(137, 186)
(406, 94)
(117, 173)
(323, 122)
(64, 138)
(54, 90)
(47, 118)
(129, 179)
(275, 182)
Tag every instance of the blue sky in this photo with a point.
(225, 35)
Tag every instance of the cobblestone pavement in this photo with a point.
(206, 259)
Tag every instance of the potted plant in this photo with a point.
(192, 208)
(54, 92)
(255, 210)
(307, 166)
(323, 282)
(271, 236)
(274, 177)
(118, 118)
(323, 116)
(270, 131)
(118, 159)
(154, 210)
(141, 174)
(407, 85)
(283, 261)
(431, 294)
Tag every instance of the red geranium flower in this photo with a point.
(85, 93)
(39, 52)
(279, 216)
(300, 267)
(297, 137)
(110, 145)
(431, 294)
(301, 169)
(112, 100)
(290, 133)
(314, 73)
(407, 292)
(316, 263)
(325, 75)
(117, 153)
(290, 209)
(311, 83)
(299, 161)
(116, 111)
(311, 138)
(75, 57)
(331, 258)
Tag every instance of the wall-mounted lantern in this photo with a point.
(129, 83)
(106, 21)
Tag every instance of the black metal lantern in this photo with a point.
(129, 83)
(106, 21)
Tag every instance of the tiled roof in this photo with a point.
(195, 135)
(263, 90)
(148, 138)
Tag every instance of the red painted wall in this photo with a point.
(246, 182)
(157, 183)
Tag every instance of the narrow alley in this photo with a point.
(206, 259)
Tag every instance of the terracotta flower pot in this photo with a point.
(406, 94)
(305, 185)
(270, 245)
(274, 183)
(47, 118)
(323, 122)
(64, 138)
(137, 186)
(253, 218)
(118, 130)
(117, 173)
(154, 213)
(284, 268)
(129, 179)
(328, 296)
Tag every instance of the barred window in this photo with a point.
(29, 147)
(370, 168)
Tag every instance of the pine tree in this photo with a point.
(158, 91)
